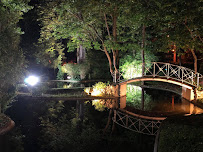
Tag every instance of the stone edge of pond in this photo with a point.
(7, 126)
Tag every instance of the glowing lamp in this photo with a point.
(31, 80)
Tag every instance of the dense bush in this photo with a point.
(131, 65)
(77, 71)
(181, 134)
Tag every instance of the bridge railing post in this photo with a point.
(154, 67)
(182, 74)
(127, 121)
(197, 80)
(168, 67)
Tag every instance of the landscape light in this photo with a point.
(31, 80)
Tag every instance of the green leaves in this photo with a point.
(12, 61)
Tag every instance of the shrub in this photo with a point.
(77, 71)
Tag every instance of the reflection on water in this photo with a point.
(60, 126)
(102, 104)
(159, 101)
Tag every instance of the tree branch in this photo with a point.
(191, 33)
(107, 27)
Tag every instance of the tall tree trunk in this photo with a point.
(109, 58)
(116, 59)
(142, 99)
(80, 54)
(195, 59)
(142, 50)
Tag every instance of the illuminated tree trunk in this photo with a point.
(116, 52)
(142, 99)
(80, 54)
(109, 59)
(143, 63)
(114, 63)
(142, 50)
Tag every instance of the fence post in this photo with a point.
(154, 69)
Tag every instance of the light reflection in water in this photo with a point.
(159, 101)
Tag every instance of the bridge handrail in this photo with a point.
(181, 67)
(173, 71)
(169, 71)
(137, 124)
(142, 116)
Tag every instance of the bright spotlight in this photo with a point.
(31, 80)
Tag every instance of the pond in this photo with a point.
(158, 101)
(62, 126)
(50, 125)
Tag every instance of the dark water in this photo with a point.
(78, 125)
(158, 101)
(63, 126)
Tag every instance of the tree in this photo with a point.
(109, 26)
(181, 25)
(11, 59)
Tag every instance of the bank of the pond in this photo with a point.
(199, 103)
(6, 124)
(181, 133)
(64, 97)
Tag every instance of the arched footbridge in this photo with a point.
(170, 73)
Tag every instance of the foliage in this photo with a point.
(12, 141)
(181, 134)
(109, 26)
(12, 62)
(38, 90)
(180, 27)
(98, 105)
(84, 70)
(180, 21)
(61, 131)
(100, 86)
(98, 65)
(4, 121)
(131, 65)
(76, 71)
(133, 98)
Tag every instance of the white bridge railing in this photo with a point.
(139, 123)
(176, 72)
(170, 71)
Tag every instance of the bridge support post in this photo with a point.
(122, 89)
(188, 94)
(122, 102)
